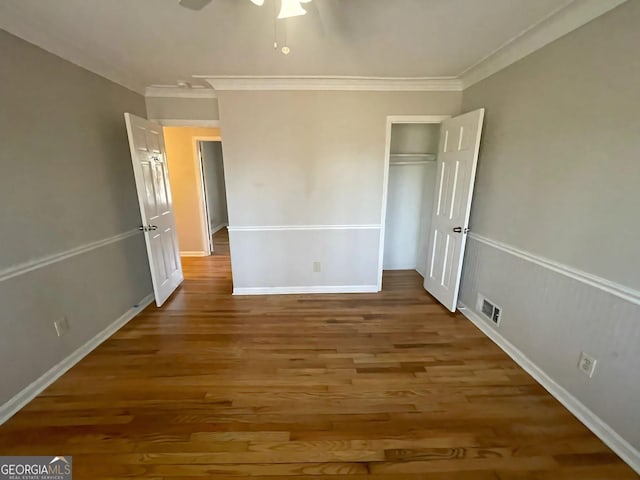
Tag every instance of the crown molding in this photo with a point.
(16, 22)
(171, 91)
(555, 25)
(344, 83)
(570, 16)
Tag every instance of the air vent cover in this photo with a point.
(489, 309)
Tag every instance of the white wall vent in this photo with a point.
(489, 309)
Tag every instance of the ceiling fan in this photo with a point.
(288, 8)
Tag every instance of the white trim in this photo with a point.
(568, 17)
(391, 119)
(613, 288)
(171, 91)
(269, 228)
(31, 265)
(22, 398)
(193, 253)
(594, 423)
(571, 15)
(217, 228)
(305, 290)
(419, 162)
(178, 122)
(427, 156)
(344, 83)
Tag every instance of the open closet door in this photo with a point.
(156, 209)
(457, 160)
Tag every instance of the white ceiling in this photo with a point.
(149, 42)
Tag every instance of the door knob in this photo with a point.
(153, 227)
(458, 229)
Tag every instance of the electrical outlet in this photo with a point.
(62, 326)
(316, 267)
(587, 364)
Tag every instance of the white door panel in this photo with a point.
(457, 160)
(154, 196)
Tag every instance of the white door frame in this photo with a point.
(391, 120)
(202, 190)
(193, 123)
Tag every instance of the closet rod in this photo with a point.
(422, 162)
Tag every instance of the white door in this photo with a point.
(457, 160)
(156, 209)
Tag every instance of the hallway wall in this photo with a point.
(186, 185)
(214, 179)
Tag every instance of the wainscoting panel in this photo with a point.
(551, 316)
(283, 257)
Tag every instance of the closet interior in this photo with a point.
(410, 195)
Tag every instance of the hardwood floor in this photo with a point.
(221, 243)
(368, 386)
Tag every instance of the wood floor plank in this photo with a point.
(385, 386)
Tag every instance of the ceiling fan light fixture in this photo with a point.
(291, 8)
(194, 4)
(258, 2)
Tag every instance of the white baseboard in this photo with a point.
(303, 290)
(18, 401)
(217, 228)
(193, 254)
(594, 423)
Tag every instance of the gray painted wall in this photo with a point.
(310, 158)
(214, 181)
(65, 181)
(558, 177)
(159, 108)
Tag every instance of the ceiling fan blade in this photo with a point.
(194, 4)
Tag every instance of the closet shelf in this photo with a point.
(420, 162)
(411, 158)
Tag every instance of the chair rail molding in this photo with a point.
(613, 288)
(41, 262)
